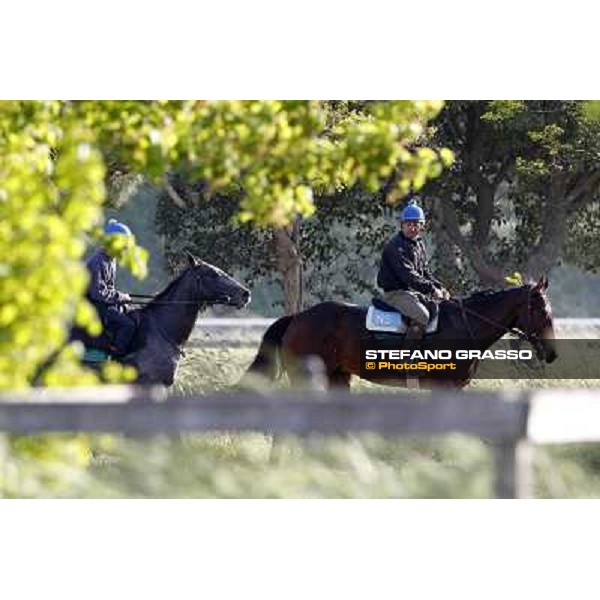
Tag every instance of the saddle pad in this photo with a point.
(393, 322)
(95, 355)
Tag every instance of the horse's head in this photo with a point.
(535, 320)
(214, 286)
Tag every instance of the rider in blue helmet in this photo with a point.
(103, 294)
(113, 226)
(412, 212)
(404, 276)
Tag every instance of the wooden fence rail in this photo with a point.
(509, 420)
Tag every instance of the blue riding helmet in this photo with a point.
(412, 212)
(113, 226)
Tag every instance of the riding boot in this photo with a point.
(123, 338)
(414, 336)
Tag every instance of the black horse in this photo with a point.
(333, 331)
(165, 324)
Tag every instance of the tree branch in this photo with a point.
(177, 199)
(584, 190)
(487, 273)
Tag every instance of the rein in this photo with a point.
(146, 300)
(523, 336)
(157, 302)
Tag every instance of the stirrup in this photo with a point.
(415, 328)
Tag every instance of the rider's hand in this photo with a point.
(124, 298)
(438, 294)
(446, 294)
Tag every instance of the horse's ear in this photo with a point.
(191, 259)
(542, 284)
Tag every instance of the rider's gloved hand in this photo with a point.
(438, 294)
(124, 298)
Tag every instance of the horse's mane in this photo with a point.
(490, 294)
(161, 295)
(482, 294)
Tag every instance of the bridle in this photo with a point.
(200, 302)
(528, 335)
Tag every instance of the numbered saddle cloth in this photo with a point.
(383, 317)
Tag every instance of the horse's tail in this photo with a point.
(267, 362)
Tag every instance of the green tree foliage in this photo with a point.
(522, 192)
(53, 159)
(208, 227)
(342, 244)
(56, 159)
(51, 192)
(338, 246)
(311, 241)
(278, 152)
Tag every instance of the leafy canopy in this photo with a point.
(53, 158)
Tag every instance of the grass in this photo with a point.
(254, 465)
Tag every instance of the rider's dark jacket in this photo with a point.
(404, 266)
(103, 273)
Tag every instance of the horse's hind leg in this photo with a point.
(339, 379)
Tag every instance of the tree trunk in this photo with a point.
(447, 253)
(289, 264)
(487, 273)
(486, 193)
(546, 252)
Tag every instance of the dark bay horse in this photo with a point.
(165, 324)
(333, 331)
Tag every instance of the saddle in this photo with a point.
(97, 349)
(384, 317)
(95, 355)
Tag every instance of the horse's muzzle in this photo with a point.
(243, 299)
(546, 345)
(246, 298)
(546, 350)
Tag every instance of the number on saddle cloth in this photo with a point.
(383, 317)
